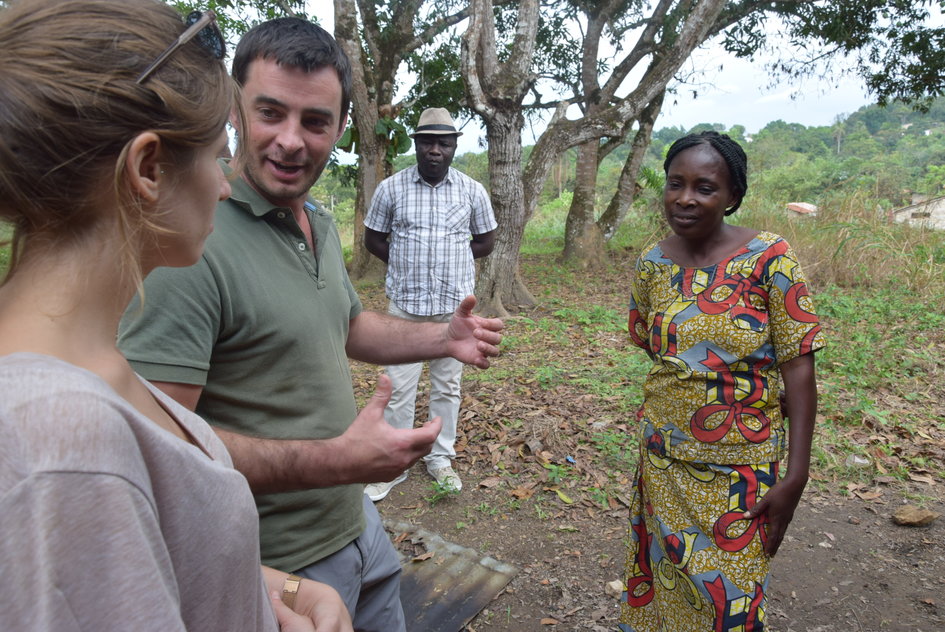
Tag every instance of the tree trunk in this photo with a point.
(372, 169)
(500, 286)
(495, 87)
(372, 149)
(616, 211)
(582, 239)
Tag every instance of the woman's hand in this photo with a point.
(289, 621)
(317, 606)
(323, 606)
(779, 503)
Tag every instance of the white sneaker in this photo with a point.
(379, 491)
(446, 477)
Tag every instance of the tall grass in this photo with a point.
(852, 244)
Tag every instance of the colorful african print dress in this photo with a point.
(711, 432)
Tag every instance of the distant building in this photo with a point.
(929, 213)
(801, 209)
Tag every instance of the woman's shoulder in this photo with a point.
(57, 417)
(653, 252)
(767, 239)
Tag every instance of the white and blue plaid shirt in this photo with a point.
(430, 268)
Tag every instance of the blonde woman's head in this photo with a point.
(71, 106)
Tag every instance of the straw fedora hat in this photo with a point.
(436, 121)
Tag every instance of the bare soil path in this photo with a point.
(844, 565)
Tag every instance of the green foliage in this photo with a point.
(617, 449)
(895, 45)
(440, 492)
(438, 83)
(596, 319)
(393, 133)
(235, 17)
(545, 230)
(894, 49)
(557, 473)
(934, 180)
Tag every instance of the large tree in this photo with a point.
(498, 82)
(886, 42)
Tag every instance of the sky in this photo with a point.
(736, 94)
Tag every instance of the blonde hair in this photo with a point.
(70, 107)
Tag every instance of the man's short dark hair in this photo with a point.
(294, 43)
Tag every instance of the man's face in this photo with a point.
(434, 155)
(294, 119)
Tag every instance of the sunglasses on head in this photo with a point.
(203, 26)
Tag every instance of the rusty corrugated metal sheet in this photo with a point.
(444, 591)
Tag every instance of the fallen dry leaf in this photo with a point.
(564, 497)
(922, 478)
(490, 482)
(549, 621)
(873, 495)
(523, 492)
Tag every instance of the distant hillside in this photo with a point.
(889, 153)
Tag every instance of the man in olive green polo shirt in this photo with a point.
(256, 336)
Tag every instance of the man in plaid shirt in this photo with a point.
(437, 220)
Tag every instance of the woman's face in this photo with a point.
(697, 193)
(188, 208)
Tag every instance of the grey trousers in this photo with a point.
(366, 573)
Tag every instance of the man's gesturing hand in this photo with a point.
(379, 452)
(472, 339)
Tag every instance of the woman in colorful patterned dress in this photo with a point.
(723, 311)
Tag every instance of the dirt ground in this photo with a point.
(844, 564)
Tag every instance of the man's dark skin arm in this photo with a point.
(377, 244)
(482, 244)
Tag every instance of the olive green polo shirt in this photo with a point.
(261, 323)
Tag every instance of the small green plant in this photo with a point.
(920, 500)
(600, 497)
(618, 449)
(486, 508)
(597, 318)
(440, 492)
(557, 473)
